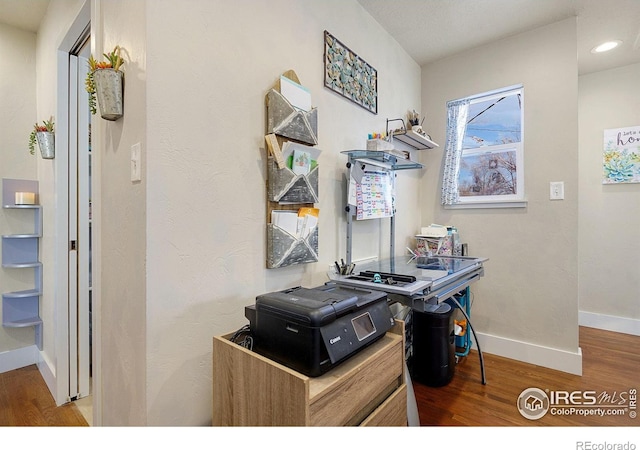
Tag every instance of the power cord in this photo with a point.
(484, 378)
(243, 337)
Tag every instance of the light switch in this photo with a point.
(136, 170)
(556, 190)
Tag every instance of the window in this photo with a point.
(484, 152)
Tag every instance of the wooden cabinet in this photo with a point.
(368, 389)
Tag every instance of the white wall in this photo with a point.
(526, 306)
(122, 220)
(183, 252)
(17, 117)
(609, 266)
(210, 65)
(175, 271)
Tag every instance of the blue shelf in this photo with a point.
(23, 294)
(383, 159)
(28, 322)
(21, 309)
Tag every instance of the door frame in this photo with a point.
(76, 30)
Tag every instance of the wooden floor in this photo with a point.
(611, 362)
(25, 400)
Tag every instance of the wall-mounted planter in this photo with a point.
(47, 144)
(109, 85)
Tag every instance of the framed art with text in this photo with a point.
(621, 158)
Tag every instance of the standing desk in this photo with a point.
(421, 283)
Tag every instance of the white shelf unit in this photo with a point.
(416, 140)
(410, 137)
(21, 251)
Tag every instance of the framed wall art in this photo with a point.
(349, 75)
(621, 158)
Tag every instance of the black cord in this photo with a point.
(247, 338)
(484, 379)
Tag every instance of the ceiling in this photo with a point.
(23, 14)
(430, 30)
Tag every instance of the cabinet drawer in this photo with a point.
(392, 413)
(358, 388)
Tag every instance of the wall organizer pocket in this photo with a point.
(286, 186)
(292, 174)
(289, 111)
(20, 251)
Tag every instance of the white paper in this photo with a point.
(352, 192)
(296, 94)
(286, 220)
(374, 195)
(309, 222)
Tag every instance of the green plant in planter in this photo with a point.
(114, 61)
(48, 125)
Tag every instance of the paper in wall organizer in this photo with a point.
(286, 186)
(285, 120)
(284, 249)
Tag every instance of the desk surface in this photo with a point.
(430, 273)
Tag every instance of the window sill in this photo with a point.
(483, 205)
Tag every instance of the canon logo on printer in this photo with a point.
(334, 340)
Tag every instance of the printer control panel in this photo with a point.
(350, 332)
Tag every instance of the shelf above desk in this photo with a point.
(415, 140)
(382, 159)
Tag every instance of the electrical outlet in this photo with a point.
(556, 190)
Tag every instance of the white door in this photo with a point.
(79, 224)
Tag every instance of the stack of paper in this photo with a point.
(300, 223)
(309, 218)
(298, 95)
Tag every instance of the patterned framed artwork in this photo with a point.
(349, 75)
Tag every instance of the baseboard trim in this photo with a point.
(552, 358)
(18, 358)
(49, 377)
(610, 323)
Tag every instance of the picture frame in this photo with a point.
(621, 156)
(349, 75)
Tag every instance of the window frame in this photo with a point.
(504, 200)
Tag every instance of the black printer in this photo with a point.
(313, 330)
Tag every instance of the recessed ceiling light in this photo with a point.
(605, 47)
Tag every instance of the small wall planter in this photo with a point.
(45, 137)
(47, 144)
(109, 85)
(105, 81)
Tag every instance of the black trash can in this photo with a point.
(433, 361)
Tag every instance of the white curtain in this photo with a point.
(458, 112)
